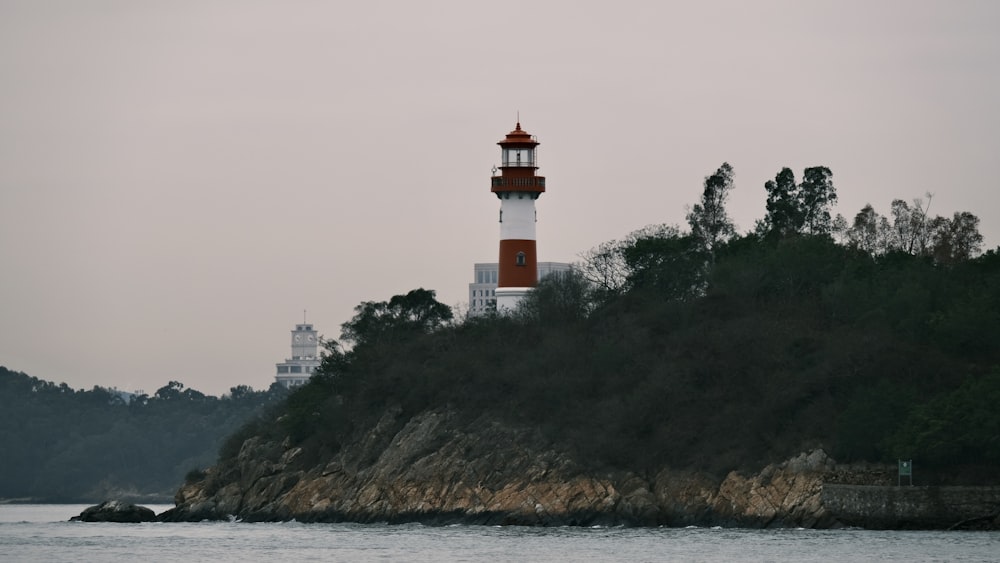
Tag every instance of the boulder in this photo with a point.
(116, 511)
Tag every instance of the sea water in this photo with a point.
(43, 533)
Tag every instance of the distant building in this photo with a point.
(482, 290)
(305, 359)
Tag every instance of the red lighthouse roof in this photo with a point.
(518, 137)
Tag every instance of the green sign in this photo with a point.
(906, 468)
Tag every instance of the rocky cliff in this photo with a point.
(430, 469)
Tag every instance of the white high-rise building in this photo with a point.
(305, 359)
(483, 289)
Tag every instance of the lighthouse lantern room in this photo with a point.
(517, 187)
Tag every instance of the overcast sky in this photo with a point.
(180, 179)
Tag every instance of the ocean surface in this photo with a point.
(43, 533)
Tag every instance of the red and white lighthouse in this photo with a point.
(518, 187)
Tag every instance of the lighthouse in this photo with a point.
(517, 187)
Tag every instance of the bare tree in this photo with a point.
(605, 267)
(910, 226)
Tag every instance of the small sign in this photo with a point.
(905, 470)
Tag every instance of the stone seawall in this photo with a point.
(912, 507)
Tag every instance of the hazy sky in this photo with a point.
(180, 179)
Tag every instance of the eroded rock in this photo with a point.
(116, 511)
(433, 468)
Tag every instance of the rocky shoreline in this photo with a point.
(427, 469)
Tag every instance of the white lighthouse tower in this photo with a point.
(518, 187)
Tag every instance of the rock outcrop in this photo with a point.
(431, 469)
(116, 511)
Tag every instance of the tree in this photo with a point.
(841, 230)
(956, 427)
(869, 232)
(241, 392)
(909, 226)
(170, 391)
(799, 209)
(82, 446)
(816, 195)
(710, 224)
(956, 239)
(416, 312)
(673, 265)
(558, 298)
(419, 310)
(783, 213)
(605, 266)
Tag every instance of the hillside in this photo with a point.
(66, 445)
(782, 346)
(799, 344)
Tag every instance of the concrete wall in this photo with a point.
(909, 507)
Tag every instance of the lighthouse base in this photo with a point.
(509, 297)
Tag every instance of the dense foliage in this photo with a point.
(706, 349)
(791, 343)
(64, 445)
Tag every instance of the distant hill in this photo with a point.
(65, 445)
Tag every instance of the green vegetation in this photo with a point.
(706, 349)
(61, 445)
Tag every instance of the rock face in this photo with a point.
(116, 511)
(431, 469)
(784, 495)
